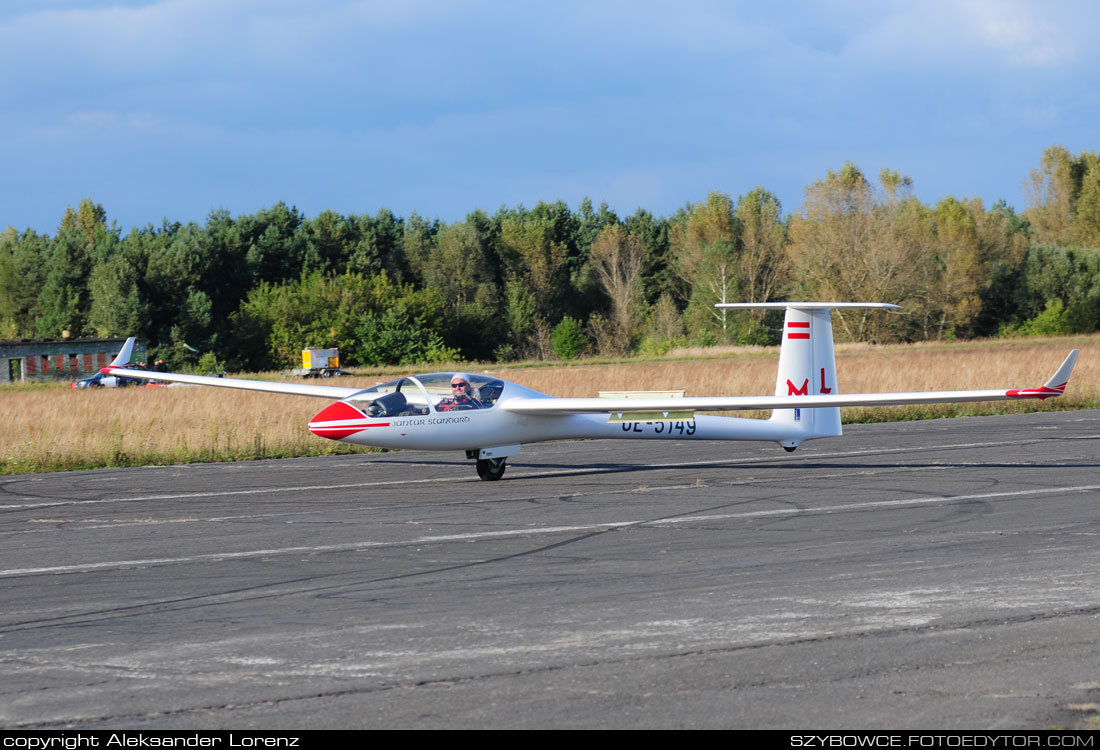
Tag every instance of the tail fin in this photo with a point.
(123, 357)
(807, 363)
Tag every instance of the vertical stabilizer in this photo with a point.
(807, 367)
(123, 357)
(807, 363)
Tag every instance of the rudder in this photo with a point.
(807, 362)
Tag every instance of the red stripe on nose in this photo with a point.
(320, 424)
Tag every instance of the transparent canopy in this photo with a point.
(421, 394)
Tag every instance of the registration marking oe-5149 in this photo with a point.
(659, 428)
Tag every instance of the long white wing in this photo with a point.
(1055, 386)
(331, 392)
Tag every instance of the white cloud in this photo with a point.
(1022, 35)
(1010, 34)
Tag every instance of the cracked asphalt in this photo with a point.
(923, 575)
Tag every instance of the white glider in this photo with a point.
(490, 419)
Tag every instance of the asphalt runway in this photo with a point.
(928, 575)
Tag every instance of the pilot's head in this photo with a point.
(460, 384)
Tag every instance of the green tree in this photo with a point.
(327, 239)
(591, 224)
(520, 316)
(536, 270)
(276, 250)
(1086, 220)
(9, 285)
(1069, 276)
(704, 247)
(763, 262)
(653, 234)
(664, 328)
(694, 233)
(718, 281)
(459, 267)
(459, 270)
(848, 246)
(417, 244)
(1064, 198)
(116, 305)
(188, 263)
(1051, 189)
(313, 311)
(617, 259)
(568, 338)
(393, 338)
(380, 247)
(24, 261)
(324, 311)
(403, 306)
(82, 239)
(959, 266)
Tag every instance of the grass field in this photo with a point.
(53, 428)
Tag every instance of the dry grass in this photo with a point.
(52, 428)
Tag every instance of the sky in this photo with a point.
(171, 109)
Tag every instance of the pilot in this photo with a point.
(460, 395)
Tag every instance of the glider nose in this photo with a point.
(337, 421)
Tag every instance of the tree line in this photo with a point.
(249, 292)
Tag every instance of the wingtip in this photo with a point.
(1055, 385)
(1060, 379)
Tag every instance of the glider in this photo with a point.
(490, 419)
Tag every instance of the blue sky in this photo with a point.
(173, 108)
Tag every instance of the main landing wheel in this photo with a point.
(490, 469)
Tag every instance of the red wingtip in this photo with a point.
(1042, 392)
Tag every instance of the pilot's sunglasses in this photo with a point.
(460, 385)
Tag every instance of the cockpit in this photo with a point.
(423, 394)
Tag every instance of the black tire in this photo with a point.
(790, 448)
(491, 469)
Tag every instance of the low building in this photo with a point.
(59, 359)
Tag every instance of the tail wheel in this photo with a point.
(490, 469)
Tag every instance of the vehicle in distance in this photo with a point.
(103, 380)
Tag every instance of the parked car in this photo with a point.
(99, 380)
